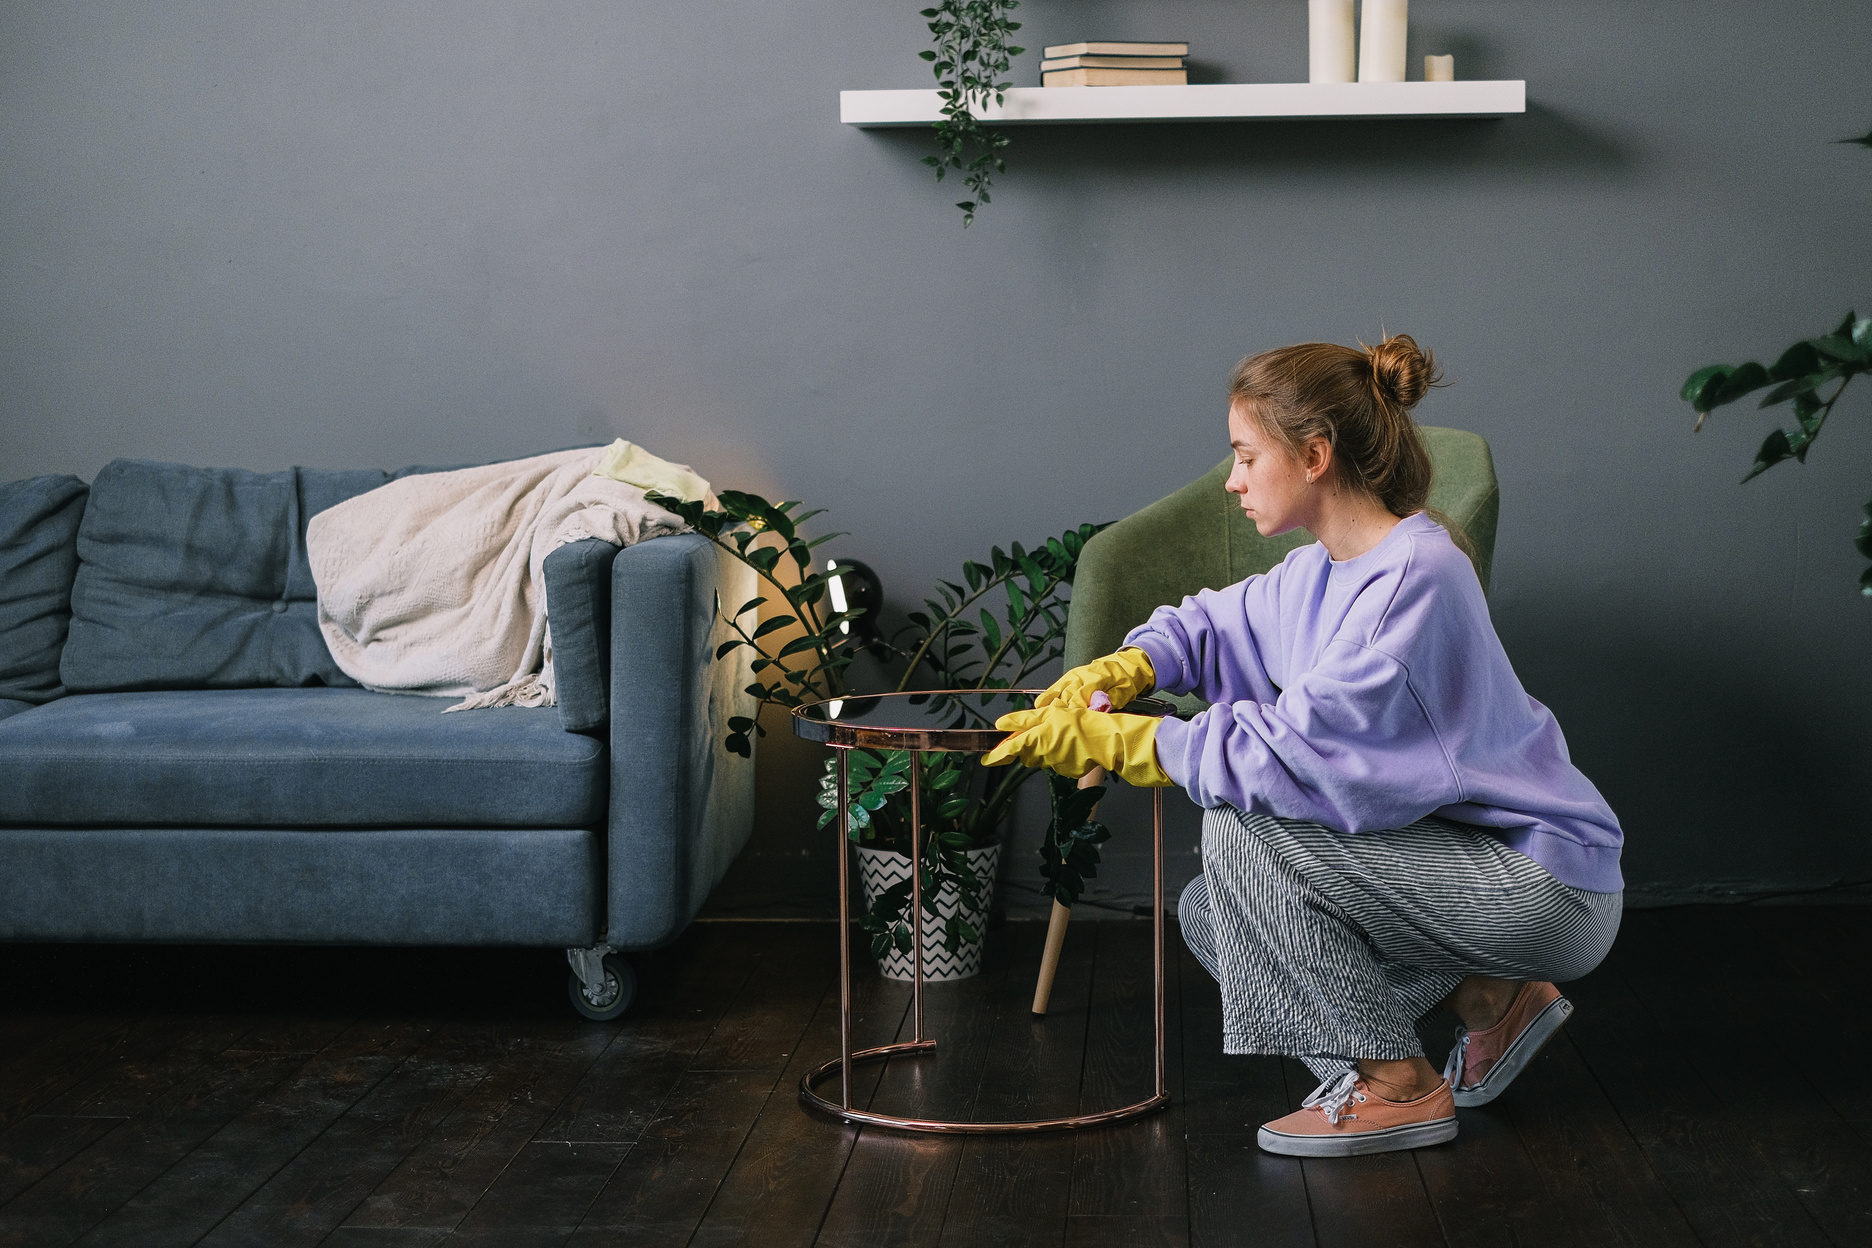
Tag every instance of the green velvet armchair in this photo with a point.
(1198, 538)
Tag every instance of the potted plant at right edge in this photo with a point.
(992, 632)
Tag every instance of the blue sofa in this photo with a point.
(181, 761)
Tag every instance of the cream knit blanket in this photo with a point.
(435, 584)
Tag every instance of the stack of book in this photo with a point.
(1114, 65)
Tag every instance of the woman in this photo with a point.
(1392, 822)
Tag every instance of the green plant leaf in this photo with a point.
(1703, 384)
(1798, 385)
(1841, 347)
(1797, 361)
(1710, 388)
(990, 630)
(1774, 449)
(1742, 380)
(773, 625)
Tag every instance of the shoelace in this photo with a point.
(1332, 1100)
(1453, 1068)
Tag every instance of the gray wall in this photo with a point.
(374, 233)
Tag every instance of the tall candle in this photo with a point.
(1381, 40)
(1439, 68)
(1330, 48)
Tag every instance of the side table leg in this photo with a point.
(845, 936)
(1157, 928)
(916, 890)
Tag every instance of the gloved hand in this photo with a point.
(1072, 742)
(1122, 676)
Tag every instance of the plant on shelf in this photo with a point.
(970, 57)
(1805, 376)
(985, 636)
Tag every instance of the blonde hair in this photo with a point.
(1358, 400)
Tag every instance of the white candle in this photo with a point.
(1381, 40)
(1330, 47)
(1439, 68)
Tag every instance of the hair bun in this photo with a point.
(1401, 372)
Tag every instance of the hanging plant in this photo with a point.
(970, 57)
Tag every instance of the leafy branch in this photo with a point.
(1798, 377)
(1069, 854)
(737, 527)
(969, 59)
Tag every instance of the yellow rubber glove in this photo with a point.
(1072, 742)
(1122, 676)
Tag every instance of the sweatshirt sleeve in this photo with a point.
(1348, 745)
(1220, 644)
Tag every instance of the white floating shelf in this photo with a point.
(1225, 101)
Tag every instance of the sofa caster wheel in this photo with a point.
(602, 984)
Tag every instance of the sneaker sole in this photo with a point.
(1391, 1139)
(1531, 1041)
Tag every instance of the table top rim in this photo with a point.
(962, 739)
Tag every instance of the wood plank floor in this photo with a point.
(1706, 1092)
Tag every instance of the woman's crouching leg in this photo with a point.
(1298, 977)
(1196, 919)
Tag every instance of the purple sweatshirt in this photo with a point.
(1367, 694)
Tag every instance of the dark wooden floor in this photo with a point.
(1710, 1090)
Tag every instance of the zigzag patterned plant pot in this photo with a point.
(878, 869)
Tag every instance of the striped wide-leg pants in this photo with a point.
(1329, 947)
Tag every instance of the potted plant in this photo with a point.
(1803, 375)
(992, 632)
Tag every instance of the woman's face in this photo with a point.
(1268, 479)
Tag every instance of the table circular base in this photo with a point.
(919, 1048)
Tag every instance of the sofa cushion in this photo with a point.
(196, 578)
(38, 557)
(295, 758)
(10, 707)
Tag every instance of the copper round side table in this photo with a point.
(937, 721)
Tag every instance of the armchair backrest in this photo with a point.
(1198, 538)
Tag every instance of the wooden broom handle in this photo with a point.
(1056, 924)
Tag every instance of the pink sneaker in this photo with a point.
(1349, 1118)
(1484, 1063)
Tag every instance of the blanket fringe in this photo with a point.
(533, 689)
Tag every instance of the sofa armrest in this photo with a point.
(578, 603)
(682, 806)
